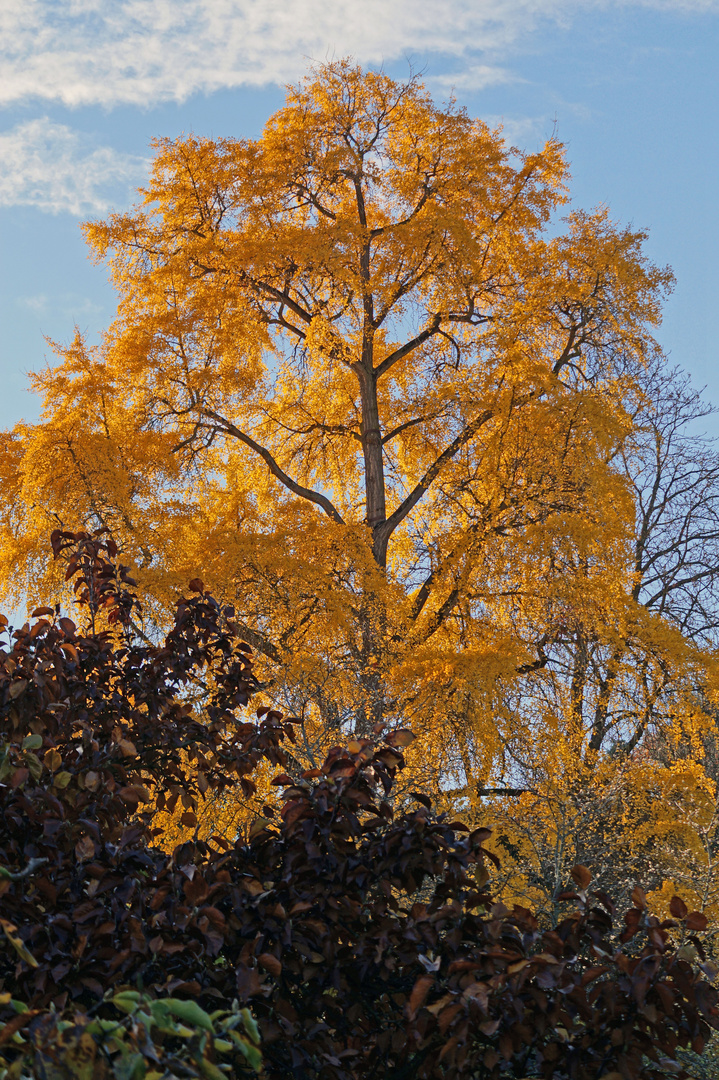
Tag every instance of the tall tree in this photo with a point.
(367, 379)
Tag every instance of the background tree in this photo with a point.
(625, 706)
(362, 380)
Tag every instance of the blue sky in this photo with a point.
(632, 88)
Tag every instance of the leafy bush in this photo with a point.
(356, 926)
(138, 1038)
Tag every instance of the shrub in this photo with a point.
(356, 925)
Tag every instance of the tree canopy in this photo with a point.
(367, 380)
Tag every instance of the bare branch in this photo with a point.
(297, 489)
(407, 424)
(386, 528)
(18, 875)
(434, 326)
(510, 791)
(409, 346)
(536, 665)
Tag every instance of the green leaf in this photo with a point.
(250, 1052)
(161, 1014)
(130, 1067)
(79, 1057)
(32, 742)
(211, 1071)
(190, 1012)
(126, 1001)
(250, 1025)
(103, 1027)
(34, 765)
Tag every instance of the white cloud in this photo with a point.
(472, 77)
(36, 303)
(53, 168)
(42, 304)
(522, 131)
(144, 51)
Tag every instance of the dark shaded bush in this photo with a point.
(357, 929)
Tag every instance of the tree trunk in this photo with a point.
(373, 461)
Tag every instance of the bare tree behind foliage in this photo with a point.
(617, 694)
(673, 468)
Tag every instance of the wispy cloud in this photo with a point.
(472, 77)
(56, 169)
(36, 303)
(144, 51)
(63, 302)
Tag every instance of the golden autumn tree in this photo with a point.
(364, 377)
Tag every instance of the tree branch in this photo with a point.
(18, 875)
(258, 641)
(280, 296)
(386, 528)
(407, 424)
(513, 791)
(409, 346)
(297, 489)
(432, 328)
(539, 663)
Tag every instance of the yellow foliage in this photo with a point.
(365, 382)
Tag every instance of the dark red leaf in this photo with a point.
(581, 876)
(401, 738)
(678, 908)
(419, 992)
(270, 963)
